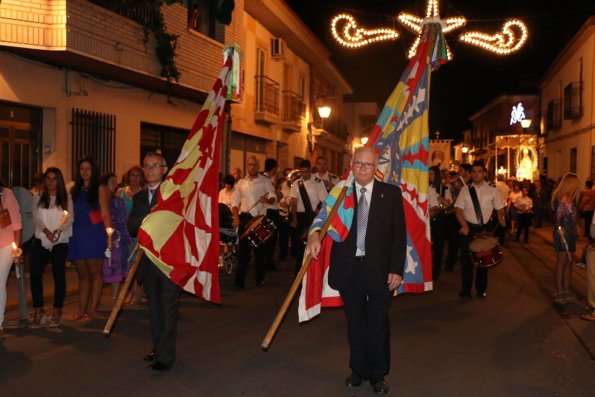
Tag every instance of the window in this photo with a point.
(545, 165)
(201, 18)
(553, 117)
(573, 100)
(302, 88)
(573, 160)
(166, 140)
(94, 134)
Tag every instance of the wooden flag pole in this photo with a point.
(123, 291)
(298, 279)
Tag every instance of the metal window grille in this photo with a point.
(94, 134)
(267, 95)
(139, 11)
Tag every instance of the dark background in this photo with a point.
(475, 76)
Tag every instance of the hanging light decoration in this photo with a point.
(513, 36)
(502, 43)
(352, 36)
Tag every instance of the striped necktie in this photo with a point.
(362, 220)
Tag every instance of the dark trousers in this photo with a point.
(588, 215)
(452, 234)
(272, 241)
(367, 300)
(57, 256)
(245, 254)
(524, 223)
(539, 214)
(437, 229)
(299, 240)
(163, 296)
(467, 267)
(283, 229)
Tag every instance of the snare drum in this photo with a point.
(485, 250)
(258, 230)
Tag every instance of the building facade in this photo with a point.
(83, 78)
(568, 108)
(287, 76)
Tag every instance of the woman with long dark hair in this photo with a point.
(88, 243)
(10, 240)
(52, 212)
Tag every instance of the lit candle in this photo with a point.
(109, 231)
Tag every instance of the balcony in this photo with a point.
(293, 110)
(108, 38)
(267, 100)
(573, 100)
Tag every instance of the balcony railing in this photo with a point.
(267, 96)
(136, 10)
(293, 107)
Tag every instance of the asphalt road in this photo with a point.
(512, 343)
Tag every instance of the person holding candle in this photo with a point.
(10, 240)
(52, 212)
(87, 245)
(115, 266)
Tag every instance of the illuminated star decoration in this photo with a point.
(510, 39)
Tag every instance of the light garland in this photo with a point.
(354, 37)
(501, 43)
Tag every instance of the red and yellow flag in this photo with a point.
(181, 234)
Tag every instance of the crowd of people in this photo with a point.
(83, 222)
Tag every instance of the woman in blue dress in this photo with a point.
(564, 201)
(88, 243)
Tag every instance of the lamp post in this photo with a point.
(464, 150)
(324, 111)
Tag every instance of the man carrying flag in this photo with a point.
(366, 268)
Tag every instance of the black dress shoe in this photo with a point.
(379, 386)
(151, 356)
(481, 294)
(466, 295)
(353, 380)
(158, 366)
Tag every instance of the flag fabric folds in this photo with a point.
(181, 234)
(401, 138)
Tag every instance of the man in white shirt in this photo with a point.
(306, 195)
(473, 222)
(249, 200)
(322, 173)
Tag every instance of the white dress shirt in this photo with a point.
(248, 192)
(489, 200)
(315, 189)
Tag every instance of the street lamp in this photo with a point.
(324, 111)
(526, 123)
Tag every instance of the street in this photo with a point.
(512, 343)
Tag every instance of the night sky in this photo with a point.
(475, 76)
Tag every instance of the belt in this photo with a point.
(360, 258)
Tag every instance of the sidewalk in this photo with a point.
(12, 286)
(579, 276)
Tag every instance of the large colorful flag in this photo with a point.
(181, 234)
(401, 138)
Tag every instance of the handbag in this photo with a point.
(4, 214)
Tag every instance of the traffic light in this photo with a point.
(223, 10)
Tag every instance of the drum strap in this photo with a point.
(476, 205)
(305, 198)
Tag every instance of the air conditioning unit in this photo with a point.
(277, 47)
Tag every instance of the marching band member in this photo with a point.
(474, 207)
(270, 171)
(306, 195)
(439, 199)
(249, 198)
(322, 173)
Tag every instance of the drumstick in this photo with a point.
(257, 202)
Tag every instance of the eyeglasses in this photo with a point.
(360, 164)
(152, 166)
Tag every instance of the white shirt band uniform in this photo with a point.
(489, 200)
(248, 192)
(315, 189)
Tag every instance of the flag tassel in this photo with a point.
(123, 292)
(298, 279)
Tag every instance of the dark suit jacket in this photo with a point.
(386, 239)
(140, 209)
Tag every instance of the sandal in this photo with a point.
(79, 316)
(40, 319)
(55, 320)
(588, 317)
(560, 298)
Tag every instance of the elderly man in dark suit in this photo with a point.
(161, 292)
(366, 268)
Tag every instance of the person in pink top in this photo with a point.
(10, 232)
